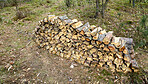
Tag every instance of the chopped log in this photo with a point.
(86, 43)
(82, 32)
(88, 38)
(92, 27)
(116, 41)
(88, 34)
(63, 17)
(93, 50)
(100, 54)
(89, 58)
(65, 22)
(108, 37)
(119, 56)
(134, 64)
(52, 20)
(125, 51)
(96, 37)
(90, 46)
(98, 42)
(101, 37)
(106, 49)
(49, 17)
(93, 42)
(86, 27)
(127, 70)
(127, 58)
(95, 31)
(111, 47)
(102, 46)
(74, 37)
(73, 21)
(77, 24)
(102, 32)
(118, 62)
(45, 20)
(128, 40)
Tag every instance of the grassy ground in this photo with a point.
(22, 62)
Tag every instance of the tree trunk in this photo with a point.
(102, 8)
(105, 5)
(68, 3)
(133, 3)
(97, 8)
(130, 1)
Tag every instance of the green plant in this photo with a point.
(142, 32)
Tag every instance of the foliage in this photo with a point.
(142, 32)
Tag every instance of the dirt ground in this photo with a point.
(22, 62)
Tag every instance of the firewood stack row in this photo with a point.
(85, 44)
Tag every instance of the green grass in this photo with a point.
(105, 72)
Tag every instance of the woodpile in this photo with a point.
(85, 44)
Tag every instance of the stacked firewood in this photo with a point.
(85, 44)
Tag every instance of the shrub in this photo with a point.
(22, 13)
(141, 37)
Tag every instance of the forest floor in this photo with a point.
(21, 61)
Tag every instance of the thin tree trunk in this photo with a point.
(133, 3)
(130, 1)
(97, 8)
(105, 5)
(102, 8)
(68, 3)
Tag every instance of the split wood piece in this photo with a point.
(96, 37)
(127, 70)
(118, 62)
(108, 37)
(94, 63)
(90, 46)
(101, 37)
(83, 29)
(95, 31)
(49, 17)
(134, 64)
(88, 38)
(85, 42)
(45, 20)
(129, 40)
(106, 49)
(52, 20)
(127, 58)
(86, 27)
(93, 50)
(82, 59)
(98, 42)
(112, 48)
(116, 41)
(73, 21)
(102, 32)
(102, 46)
(125, 51)
(111, 56)
(119, 55)
(93, 42)
(65, 22)
(77, 24)
(123, 43)
(92, 27)
(63, 17)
